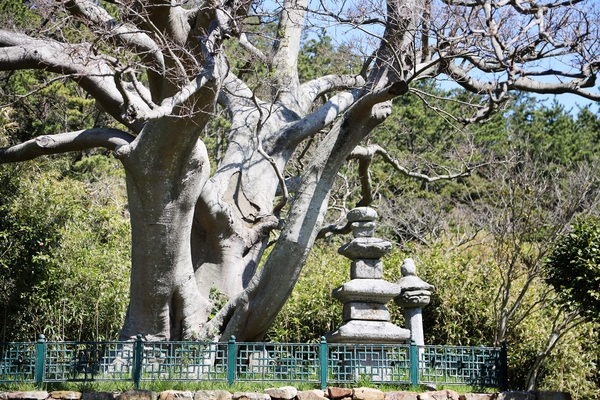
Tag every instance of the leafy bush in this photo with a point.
(310, 312)
(64, 259)
(573, 268)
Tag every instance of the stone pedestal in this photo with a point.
(414, 295)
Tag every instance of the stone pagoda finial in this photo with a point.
(366, 319)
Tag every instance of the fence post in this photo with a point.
(323, 362)
(414, 364)
(138, 354)
(503, 370)
(231, 357)
(40, 360)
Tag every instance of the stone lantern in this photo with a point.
(414, 295)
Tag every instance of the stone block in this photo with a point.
(401, 396)
(98, 396)
(553, 396)
(361, 214)
(212, 395)
(413, 298)
(363, 229)
(338, 392)
(284, 392)
(516, 395)
(479, 396)
(250, 396)
(311, 395)
(366, 290)
(440, 395)
(138, 395)
(375, 332)
(364, 247)
(31, 395)
(365, 311)
(176, 395)
(367, 394)
(412, 282)
(366, 269)
(65, 394)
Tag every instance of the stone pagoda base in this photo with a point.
(368, 332)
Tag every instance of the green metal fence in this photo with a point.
(321, 363)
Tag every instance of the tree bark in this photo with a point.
(165, 303)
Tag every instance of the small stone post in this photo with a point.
(414, 295)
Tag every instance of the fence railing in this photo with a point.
(321, 363)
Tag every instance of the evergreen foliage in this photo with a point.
(573, 268)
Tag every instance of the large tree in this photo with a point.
(160, 68)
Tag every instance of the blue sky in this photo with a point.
(571, 102)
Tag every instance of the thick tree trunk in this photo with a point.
(234, 213)
(164, 297)
(162, 190)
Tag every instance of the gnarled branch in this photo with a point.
(312, 90)
(61, 143)
(365, 155)
(93, 73)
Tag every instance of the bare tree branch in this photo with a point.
(312, 90)
(259, 124)
(560, 327)
(335, 230)
(322, 117)
(93, 73)
(285, 54)
(253, 50)
(128, 35)
(236, 95)
(125, 34)
(575, 86)
(169, 104)
(368, 152)
(64, 142)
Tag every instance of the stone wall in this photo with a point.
(283, 393)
